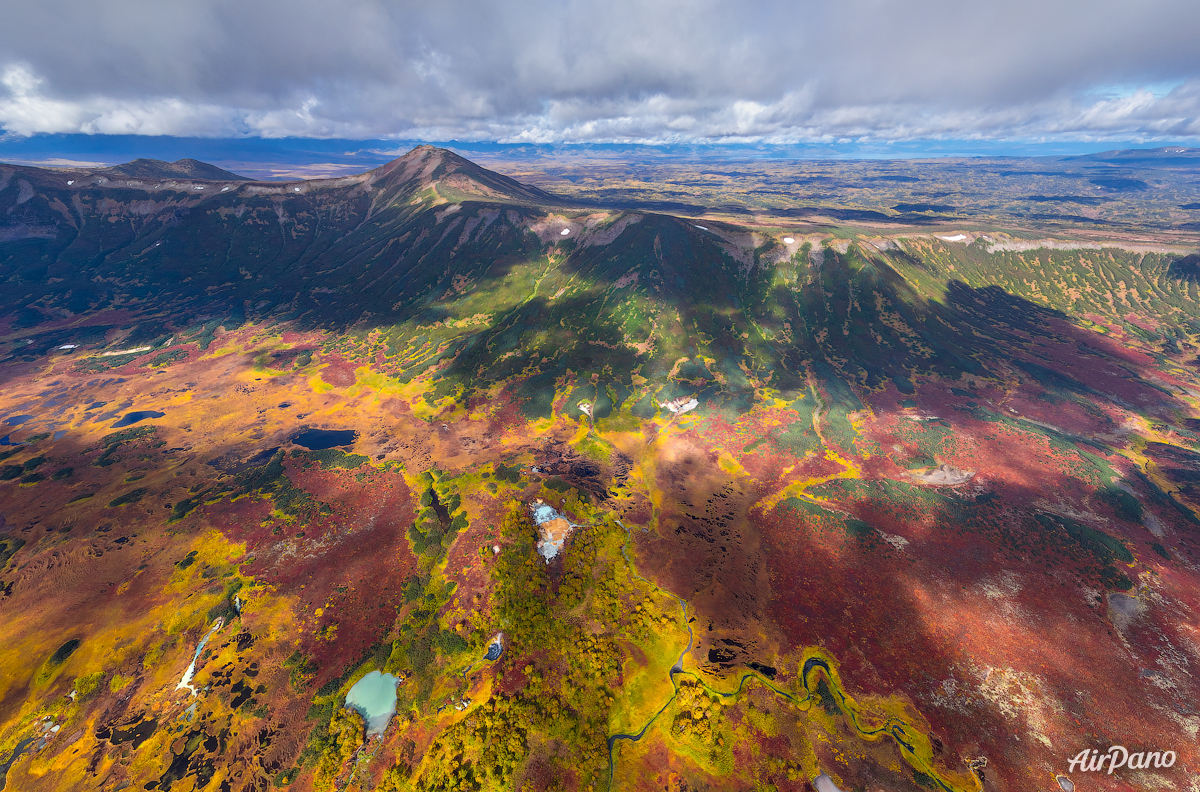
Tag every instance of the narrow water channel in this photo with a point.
(16, 754)
(186, 682)
(895, 728)
(675, 669)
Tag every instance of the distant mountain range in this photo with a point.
(179, 169)
(1163, 157)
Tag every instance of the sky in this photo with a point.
(816, 72)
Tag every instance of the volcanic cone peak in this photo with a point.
(455, 178)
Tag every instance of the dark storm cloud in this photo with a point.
(620, 70)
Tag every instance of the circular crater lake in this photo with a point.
(320, 439)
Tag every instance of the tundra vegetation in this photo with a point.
(938, 485)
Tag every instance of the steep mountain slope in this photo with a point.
(169, 245)
(913, 511)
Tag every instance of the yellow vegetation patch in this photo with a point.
(365, 378)
(799, 487)
(875, 719)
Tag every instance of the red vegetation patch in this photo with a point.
(515, 680)
(352, 564)
(507, 418)
(293, 337)
(637, 511)
(338, 371)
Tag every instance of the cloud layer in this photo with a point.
(624, 70)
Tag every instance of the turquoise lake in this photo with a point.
(374, 697)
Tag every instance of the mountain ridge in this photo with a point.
(186, 168)
(421, 167)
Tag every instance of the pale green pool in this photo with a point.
(374, 697)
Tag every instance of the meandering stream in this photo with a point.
(892, 727)
(675, 669)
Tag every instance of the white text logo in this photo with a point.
(1091, 760)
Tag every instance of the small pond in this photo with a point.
(140, 415)
(374, 697)
(495, 648)
(17, 420)
(320, 439)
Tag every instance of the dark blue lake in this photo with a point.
(17, 420)
(131, 418)
(320, 439)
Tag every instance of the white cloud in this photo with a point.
(623, 70)
(27, 111)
